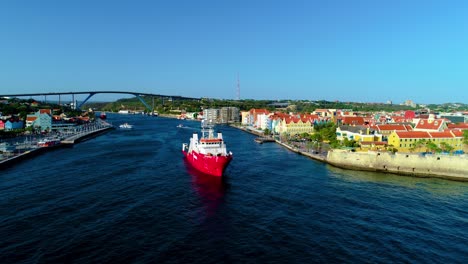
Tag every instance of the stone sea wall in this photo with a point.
(434, 165)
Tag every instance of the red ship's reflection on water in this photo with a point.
(209, 187)
(210, 190)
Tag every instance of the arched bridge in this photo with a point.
(92, 93)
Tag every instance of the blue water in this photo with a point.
(128, 197)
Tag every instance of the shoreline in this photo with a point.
(405, 164)
(68, 142)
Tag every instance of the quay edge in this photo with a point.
(64, 143)
(84, 136)
(407, 164)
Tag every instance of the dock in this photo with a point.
(81, 134)
(262, 140)
(84, 135)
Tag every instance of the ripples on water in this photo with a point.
(128, 196)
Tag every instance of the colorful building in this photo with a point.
(409, 141)
(41, 120)
(386, 129)
(358, 134)
(14, 124)
(352, 120)
(245, 117)
(430, 124)
(295, 125)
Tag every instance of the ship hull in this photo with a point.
(211, 165)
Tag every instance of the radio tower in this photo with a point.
(238, 87)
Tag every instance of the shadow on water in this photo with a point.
(432, 185)
(209, 188)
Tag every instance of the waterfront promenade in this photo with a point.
(86, 132)
(28, 149)
(409, 164)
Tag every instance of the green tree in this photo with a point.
(316, 137)
(432, 147)
(327, 131)
(418, 144)
(446, 147)
(305, 135)
(350, 143)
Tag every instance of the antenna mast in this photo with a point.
(238, 87)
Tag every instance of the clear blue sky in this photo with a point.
(366, 51)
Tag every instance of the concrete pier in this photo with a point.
(85, 135)
(68, 141)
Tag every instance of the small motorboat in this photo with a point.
(126, 126)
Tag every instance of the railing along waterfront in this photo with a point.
(13, 148)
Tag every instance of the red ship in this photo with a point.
(207, 154)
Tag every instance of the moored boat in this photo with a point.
(261, 140)
(207, 154)
(49, 142)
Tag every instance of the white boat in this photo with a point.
(49, 142)
(126, 126)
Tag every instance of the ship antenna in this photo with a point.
(238, 87)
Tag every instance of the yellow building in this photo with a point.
(407, 141)
(295, 125)
(366, 137)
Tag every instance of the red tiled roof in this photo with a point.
(31, 118)
(428, 124)
(391, 127)
(457, 133)
(432, 134)
(259, 111)
(459, 126)
(288, 120)
(442, 134)
(401, 119)
(413, 134)
(352, 120)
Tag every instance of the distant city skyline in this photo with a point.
(349, 51)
